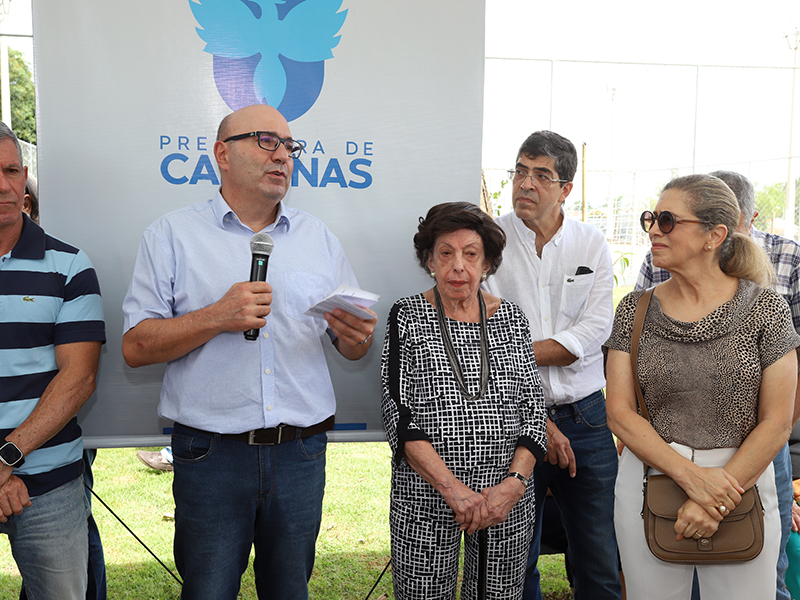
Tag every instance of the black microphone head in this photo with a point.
(261, 243)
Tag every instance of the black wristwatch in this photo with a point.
(11, 455)
(519, 476)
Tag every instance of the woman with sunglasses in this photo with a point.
(717, 369)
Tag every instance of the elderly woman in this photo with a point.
(717, 370)
(463, 411)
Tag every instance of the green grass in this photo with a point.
(352, 549)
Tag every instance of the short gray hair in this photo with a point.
(7, 132)
(742, 189)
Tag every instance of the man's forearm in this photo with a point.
(156, 341)
(244, 306)
(63, 398)
(549, 353)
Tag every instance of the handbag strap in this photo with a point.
(638, 324)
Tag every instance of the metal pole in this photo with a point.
(583, 184)
(5, 78)
(788, 213)
(611, 216)
(552, 84)
(696, 103)
(5, 83)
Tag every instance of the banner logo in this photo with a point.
(268, 52)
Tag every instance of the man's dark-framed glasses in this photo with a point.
(542, 180)
(665, 219)
(270, 141)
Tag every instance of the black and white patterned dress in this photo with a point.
(476, 439)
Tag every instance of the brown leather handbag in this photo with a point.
(740, 536)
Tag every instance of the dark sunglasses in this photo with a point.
(666, 221)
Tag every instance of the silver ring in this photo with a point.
(366, 339)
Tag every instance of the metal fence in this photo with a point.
(618, 217)
(640, 126)
(29, 158)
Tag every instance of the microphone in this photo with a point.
(261, 245)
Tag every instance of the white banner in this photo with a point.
(387, 95)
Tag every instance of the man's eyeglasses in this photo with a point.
(665, 219)
(270, 141)
(541, 180)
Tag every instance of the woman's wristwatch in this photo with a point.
(519, 476)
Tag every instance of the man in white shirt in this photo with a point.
(559, 271)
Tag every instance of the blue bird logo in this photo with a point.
(269, 52)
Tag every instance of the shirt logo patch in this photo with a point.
(28, 299)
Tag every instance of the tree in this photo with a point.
(769, 204)
(23, 97)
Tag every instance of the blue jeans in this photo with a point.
(48, 541)
(96, 587)
(586, 502)
(793, 571)
(783, 483)
(229, 496)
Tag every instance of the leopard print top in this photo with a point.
(700, 380)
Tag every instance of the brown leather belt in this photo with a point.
(272, 435)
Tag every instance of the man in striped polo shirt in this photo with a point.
(51, 330)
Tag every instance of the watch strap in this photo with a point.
(519, 476)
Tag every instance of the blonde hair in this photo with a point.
(712, 202)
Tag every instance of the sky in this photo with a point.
(643, 122)
(640, 122)
(682, 31)
(19, 24)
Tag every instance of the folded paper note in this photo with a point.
(349, 299)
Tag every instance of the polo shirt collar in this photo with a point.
(30, 245)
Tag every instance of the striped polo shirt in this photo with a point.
(49, 295)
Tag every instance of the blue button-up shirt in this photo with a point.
(189, 259)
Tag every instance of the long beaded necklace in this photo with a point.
(451, 353)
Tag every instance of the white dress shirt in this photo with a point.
(574, 310)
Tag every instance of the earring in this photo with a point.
(433, 274)
(483, 276)
(708, 247)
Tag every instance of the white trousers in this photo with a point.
(648, 578)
